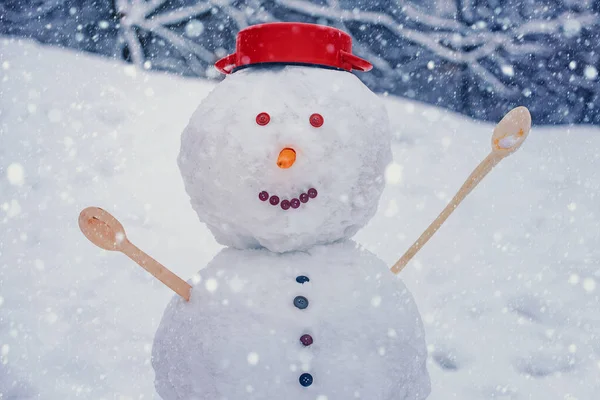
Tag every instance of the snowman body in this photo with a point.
(246, 335)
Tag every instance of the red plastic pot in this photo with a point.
(293, 43)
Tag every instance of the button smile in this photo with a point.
(287, 204)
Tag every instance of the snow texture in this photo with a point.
(508, 288)
(239, 336)
(11, 386)
(508, 142)
(227, 159)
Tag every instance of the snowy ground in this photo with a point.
(508, 289)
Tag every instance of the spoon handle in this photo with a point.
(472, 181)
(161, 272)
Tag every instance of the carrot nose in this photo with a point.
(286, 158)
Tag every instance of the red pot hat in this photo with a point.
(293, 43)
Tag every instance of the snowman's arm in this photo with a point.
(159, 271)
(507, 138)
(106, 232)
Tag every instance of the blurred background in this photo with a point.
(477, 57)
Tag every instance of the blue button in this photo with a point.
(301, 302)
(306, 380)
(302, 279)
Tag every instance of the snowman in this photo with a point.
(284, 161)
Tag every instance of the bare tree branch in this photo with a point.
(430, 20)
(135, 49)
(181, 14)
(40, 10)
(451, 40)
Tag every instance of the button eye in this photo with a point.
(316, 120)
(263, 118)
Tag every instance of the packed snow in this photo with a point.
(342, 159)
(335, 134)
(507, 289)
(239, 337)
(508, 142)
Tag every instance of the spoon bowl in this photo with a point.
(106, 232)
(511, 131)
(102, 229)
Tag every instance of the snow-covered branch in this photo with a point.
(7, 12)
(432, 21)
(448, 38)
(179, 15)
(139, 14)
(477, 57)
(555, 25)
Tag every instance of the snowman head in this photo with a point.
(286, 157)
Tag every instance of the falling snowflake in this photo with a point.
(590, 72)
(508, 70)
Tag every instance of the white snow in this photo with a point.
(15, 174)
(502, 316)
(223, 147)
(590, 72)
(194, 28)
(571, 28)
(393, 173)
(228, 161)
(508, 142)
(248, 334)
(507, 70)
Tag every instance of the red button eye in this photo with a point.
(263, 118)
(316, 120)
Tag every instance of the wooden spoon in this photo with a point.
(508, 136)
(102, 229)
